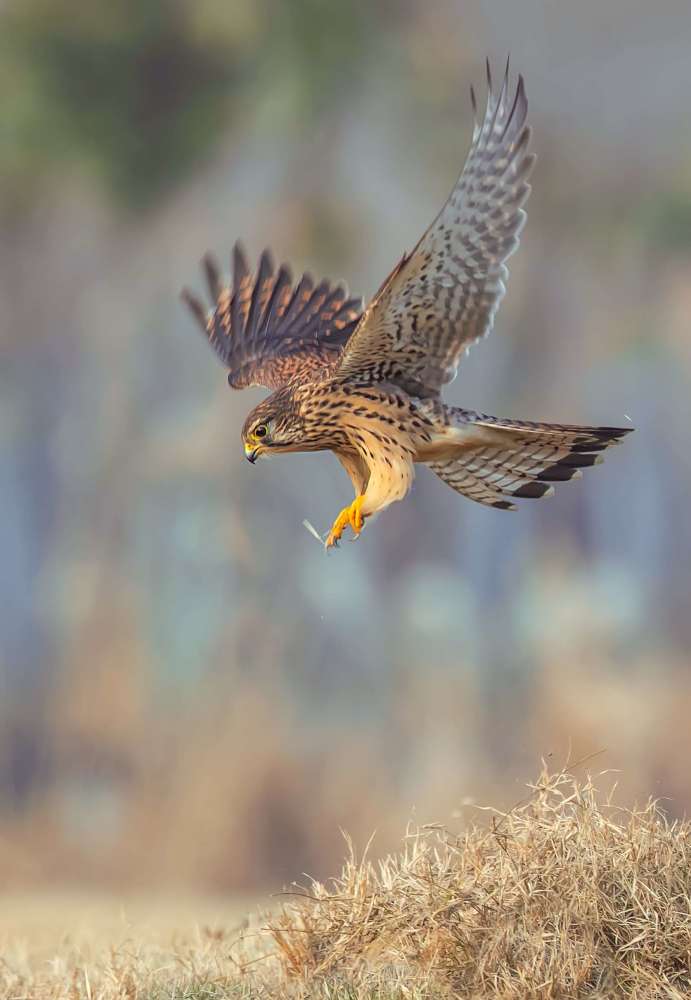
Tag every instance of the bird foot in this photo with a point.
(350, 517)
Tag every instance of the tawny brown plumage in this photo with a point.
(366, 384)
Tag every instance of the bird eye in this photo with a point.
(260, 431)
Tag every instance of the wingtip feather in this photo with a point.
(212, 274)
(195, 306)
(239, 263)
(266, 262)
(505, 82)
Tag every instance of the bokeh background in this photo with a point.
(192, 695)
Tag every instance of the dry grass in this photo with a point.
(564, 896)
(561, 897)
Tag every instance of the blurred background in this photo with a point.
(193, 696)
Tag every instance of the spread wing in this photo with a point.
(443, 296)
(270, 331)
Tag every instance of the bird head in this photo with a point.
(273, 426)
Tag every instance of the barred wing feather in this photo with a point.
(269, 331)
(443, 296)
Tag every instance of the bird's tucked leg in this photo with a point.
(350, 517)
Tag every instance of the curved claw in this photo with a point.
(350, 517)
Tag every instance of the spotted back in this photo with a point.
(269, 331)
(443, 296)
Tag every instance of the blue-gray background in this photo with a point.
(191, 692)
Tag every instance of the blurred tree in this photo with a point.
(136, 90)
(139, 91)
(323, 45)
(665, 222)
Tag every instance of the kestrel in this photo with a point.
(366, 383)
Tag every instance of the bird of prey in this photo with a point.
(366, 383)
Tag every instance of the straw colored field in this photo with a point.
(564, 896)
(89, 945)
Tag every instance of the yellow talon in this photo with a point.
(349, 517)
(356, 519)
(337, 528)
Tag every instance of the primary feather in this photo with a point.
(443, 296)
(269, 331)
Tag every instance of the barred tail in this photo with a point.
(507, 458)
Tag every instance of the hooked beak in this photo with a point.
(251, 453)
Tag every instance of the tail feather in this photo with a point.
(521, 459)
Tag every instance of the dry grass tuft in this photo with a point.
(564, 896)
